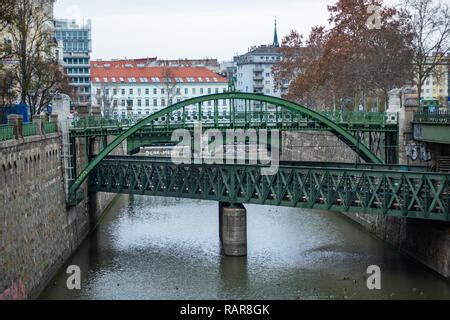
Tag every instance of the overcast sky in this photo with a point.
(173, 29)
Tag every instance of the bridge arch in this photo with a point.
(340, 132)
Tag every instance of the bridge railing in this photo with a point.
(439, 117)
(282, 117)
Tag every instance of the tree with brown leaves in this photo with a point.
(350, 60)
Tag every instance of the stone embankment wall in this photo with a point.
(38, 232)
(316, 146)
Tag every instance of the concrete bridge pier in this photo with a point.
(233, 229)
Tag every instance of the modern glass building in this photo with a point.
(75, 40)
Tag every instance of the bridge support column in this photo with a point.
(233, 229)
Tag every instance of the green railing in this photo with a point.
(6, 132)
(29, 129)
(348, 118)
(49, 127)
(439, 117)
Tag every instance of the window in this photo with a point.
(122, 103)
(163, 91)
(131, 91)
(201, 90)
(123, 92)
(147, 102)
(139, 102)
(194, 91)
(139, 91)
(163, 102)
(209, 90)
(147, 91)
(155, 102)
(114, 91)
(155, 91)
(216, 90)
(178, 91)
(186, 91)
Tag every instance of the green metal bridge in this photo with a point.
(371, 188)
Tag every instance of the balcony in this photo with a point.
(258, 78)
(258, 69)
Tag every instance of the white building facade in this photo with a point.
(255, 69)
(124, 88)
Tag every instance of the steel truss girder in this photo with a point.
(421, 195)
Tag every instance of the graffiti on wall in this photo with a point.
(417, 151)
(16, 292)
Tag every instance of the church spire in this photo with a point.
(275, 36)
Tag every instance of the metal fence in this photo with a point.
(29, 129)
(442, 116)
(50, 127)
(6, 132)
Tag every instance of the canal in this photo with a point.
(163, 248)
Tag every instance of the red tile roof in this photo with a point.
(136, 71)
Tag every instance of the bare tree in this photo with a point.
(48, 80)
(6, 16)
(32, 41)
(429, 21)
(106, 98)
(171, 87)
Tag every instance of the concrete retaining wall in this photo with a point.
(425, 241)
